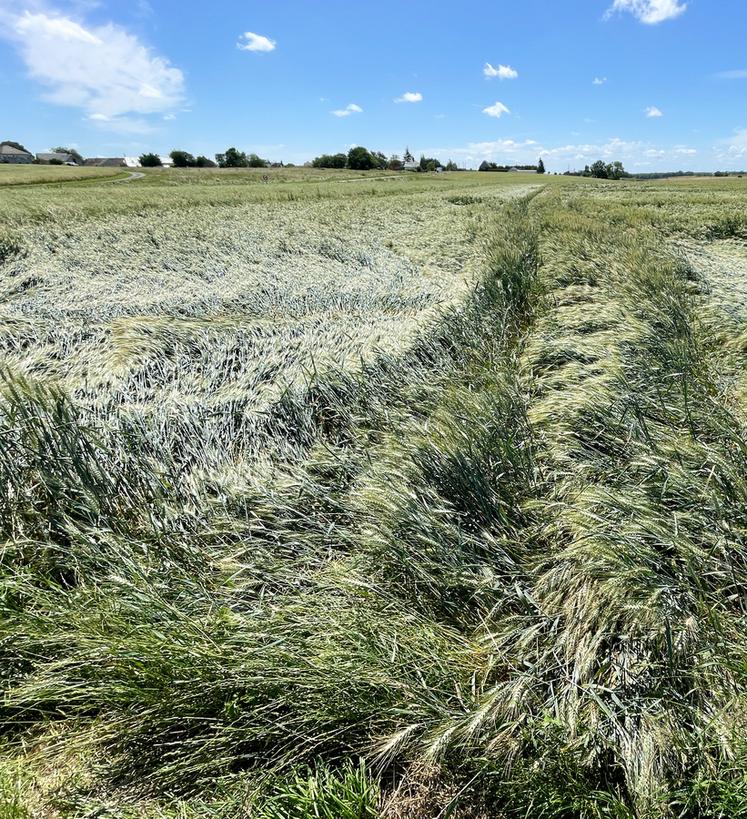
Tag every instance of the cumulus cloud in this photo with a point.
(348, 110)
(249, 41)
(634, 154)
(503, 72)
(410, 96)
(652, 112)
(599, 81)
(497, 110)
(103, 70)
(651, 12)
(733, 147)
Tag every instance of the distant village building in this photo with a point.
(105, 162)
(10, 155)
(56, 158)
(523, 170)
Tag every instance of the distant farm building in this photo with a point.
(523, 170)
(11, 155)
(56, 158)
(106, 162)
(411, 165)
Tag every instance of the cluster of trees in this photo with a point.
(491, 166)
(183, 159)
(603, 170)
(362, 159)
(233, 158)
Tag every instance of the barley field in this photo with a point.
(373, 496)
(47, 174)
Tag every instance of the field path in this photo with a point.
(132, 177)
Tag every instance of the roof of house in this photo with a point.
(63, 157)
(10, 150)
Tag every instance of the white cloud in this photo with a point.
(651, 11)
(348, 110)
(599, 81)
(737, 74)
(497, 110)
(103, 70)
(734, 147)
(410, 96)
(503, 72)
(634, 154)
(249, 41)
(652, 112)
(505, 150)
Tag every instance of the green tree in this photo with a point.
(408, 156)
(599, 170)
(451, 165)
(204, 162)
(330, 161)
(540, 166)
(254, 161)
(232, 158)
(182, 159)
(360, 159)
(395, 163)
(150, 160)
(428, 163)
(73, 153)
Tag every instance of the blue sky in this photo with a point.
(659, 84)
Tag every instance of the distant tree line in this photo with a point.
(493, 167)
(362, 159)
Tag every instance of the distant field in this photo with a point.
(39, 174)
(373, 496)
